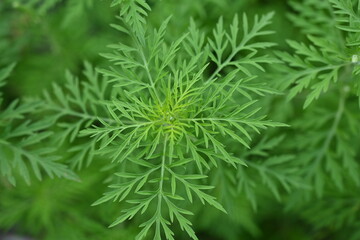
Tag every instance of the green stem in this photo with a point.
(152, 83)
(330, 136)
(160, 191)
(140, 46)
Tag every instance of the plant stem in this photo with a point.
(161, 185)
(330, 136)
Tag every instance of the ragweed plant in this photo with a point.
(19, 142)
(327, 69)
(323, 75)
(332, 56)
(170, 113)
(162, 113)
(175, 122)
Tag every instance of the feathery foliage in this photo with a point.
(17, 142)
(332, 53)
(79, 105)
(325, 68)
(170, 118)
(168, 133)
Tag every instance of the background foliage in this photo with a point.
(251, 107)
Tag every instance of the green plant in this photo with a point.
(327, 67)
(18, 140)
(201, 132)
(166, 119)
